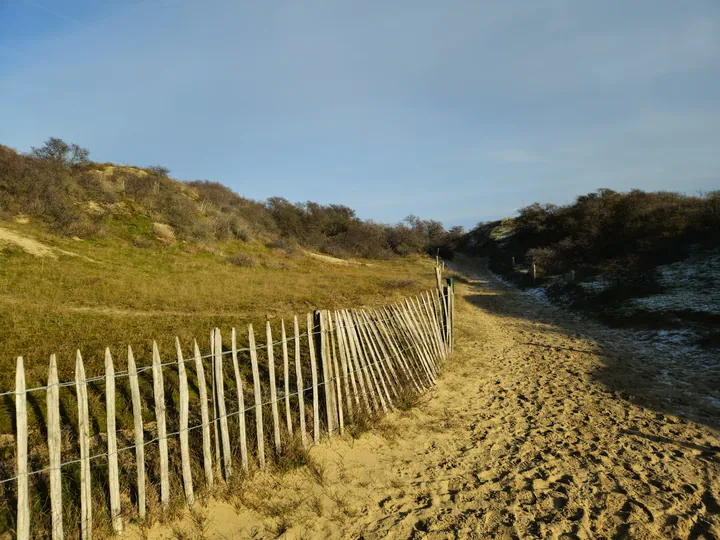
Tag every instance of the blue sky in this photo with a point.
(456, 110)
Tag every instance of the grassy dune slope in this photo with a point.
(111, 294)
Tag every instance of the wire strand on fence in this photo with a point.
(198, 426)
(120, 374)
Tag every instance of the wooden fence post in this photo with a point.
(384, 370)
(84, 436)
(434, 328)
(420, 333)
(437, 308)
(54, 449)
(416, 337)
(139, 436)
(159, 394)
(364, 356)
(286, 377)
(205, 416)
(344, 364)
(445, 296)
(222, 410)
(424, 333)
(439, 284)
(373, 359)
(395, 348)
(434, 308)
(451, 309)
(372, 327)
(327, 339)
(258, 399)
(299, 383)
(351, 362)
(23, 500)
(426, 319)
(213, 389)
(326, 370)
(113, 471)
(416, 342)
(241, 404)
(313, 370)
(336, 375)
(366, 386)
(184, 421)
(366, 383)
(410, 350)
(273, 387)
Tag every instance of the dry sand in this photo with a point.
(34, 247)
(535, 430)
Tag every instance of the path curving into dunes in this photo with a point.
(538, 428)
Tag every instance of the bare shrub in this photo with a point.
(58, 151)
(285, 244)
(141, 242)
(243, 260)
(158, 170)
(164, 232)
(545, 259)
(230, 226)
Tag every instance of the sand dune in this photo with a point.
(526, 435)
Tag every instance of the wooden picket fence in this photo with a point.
(358, 361)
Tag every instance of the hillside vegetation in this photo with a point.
(75, 197)
(99, 255)
(609, 253)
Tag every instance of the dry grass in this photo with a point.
(135, 295)
(243, 260)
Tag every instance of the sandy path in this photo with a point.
(523, 437)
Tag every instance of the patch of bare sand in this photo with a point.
(521, 438)
(34, 247)
(334, 260)
(28, 245)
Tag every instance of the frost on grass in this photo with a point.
(597, 286)
(538, 293)
(692, 284)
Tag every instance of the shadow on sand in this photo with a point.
(640, 377)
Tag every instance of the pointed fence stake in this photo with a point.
(205, 416)
(113, 470)
(184, 421)
(84, 436)
(326, 372)
(299, 383)
(139, 436)
(313, 370)
(241, 404)
(258, 399)
(344, 364)
(220, 389)
(23, 502)
(54, 449)
(214, 401)
(356, 369)
(336, 375)
(286, 377)
(159, 394)
(273, 387)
